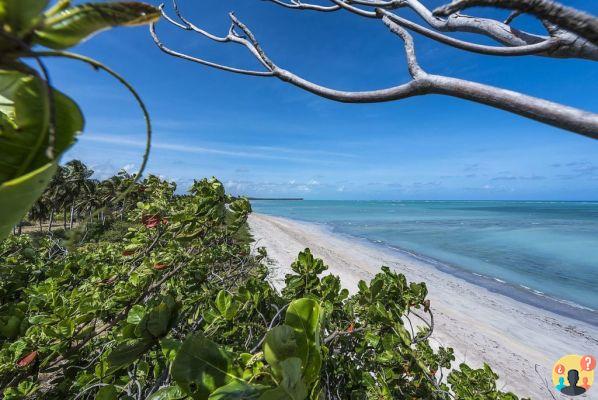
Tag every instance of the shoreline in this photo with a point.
(518, 340)
(520, 293)
(516, 292)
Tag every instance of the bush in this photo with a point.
(170, 304)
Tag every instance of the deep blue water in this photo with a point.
(549, 249)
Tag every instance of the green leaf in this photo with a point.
(136, 314)
(107, 393)
(159, 320)
(226, 305)
(69, 27)
(237, 390)
(168, 393)
(25, 169)
(303, 316)
(20, 15)
(24, 125)
(170, 347)
(18, 195)
(127, 353)
(201, 367)
(279, 345)
(292, 387)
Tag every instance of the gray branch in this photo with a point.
(560, 43)
(422, 83)
(582, 24)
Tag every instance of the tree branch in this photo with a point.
(298, 5)
(568, 18)
(561, 116)
(564, 44)
(173, 53)
(540, 47)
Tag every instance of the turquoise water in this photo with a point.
(545, 253)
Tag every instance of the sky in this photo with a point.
(264, 138)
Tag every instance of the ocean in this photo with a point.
(543, 253)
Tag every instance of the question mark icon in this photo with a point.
(560, 369)
(588, 363)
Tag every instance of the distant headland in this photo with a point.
(276, 198)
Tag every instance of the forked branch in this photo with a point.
(568, 18)
(575, 120)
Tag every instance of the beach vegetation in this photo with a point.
(180, 307)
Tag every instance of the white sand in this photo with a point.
(482, 326)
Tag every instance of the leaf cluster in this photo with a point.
(180, 308)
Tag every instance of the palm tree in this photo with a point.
(56, 195)
(39, 212)
(77, 175)
(108, 192)
(90, 198)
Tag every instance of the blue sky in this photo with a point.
(262, 137)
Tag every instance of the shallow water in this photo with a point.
(548, 249)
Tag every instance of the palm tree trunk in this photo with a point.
(72, 215)
(51, 221)
(64, 216)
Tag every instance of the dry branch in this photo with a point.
(559, 43)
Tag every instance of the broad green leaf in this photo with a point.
(159, 320)
(238, 390)
(18, 16)
(226, 305)
(127, 353)
(201, 367)
(25, 109)
(107, 393)
(292, 386)
(136, 314)
(18, 195)
(303, 316)
(69, 124)
(168, 393)
(69, 27)
(279, 345)
(25, 169)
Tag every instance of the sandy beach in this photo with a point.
(520, 342)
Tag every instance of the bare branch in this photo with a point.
(187, 25)
(254, 43)
(512, 16)
(414, 68)
(298, 5)
(173, 53)
(568, 18)
(536, 48)
(355, 10)
(558, 115)
(566, 45)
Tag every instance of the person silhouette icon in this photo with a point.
(585, 383)
(561, 383)
(573, 389)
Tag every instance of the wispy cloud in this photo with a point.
(251, 152)
(578, 169)
(519, 178)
